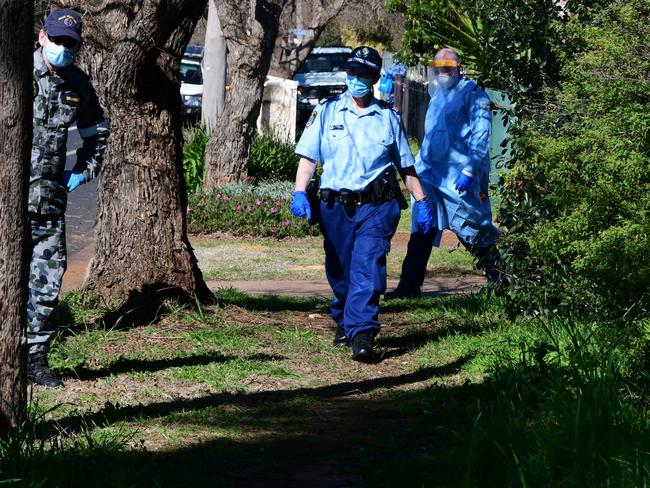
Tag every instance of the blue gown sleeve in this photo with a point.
(480, 119)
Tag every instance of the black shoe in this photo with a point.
(339, 337)
(39, 372)
(362, 348)
(403, 293)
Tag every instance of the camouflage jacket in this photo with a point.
(62, 99)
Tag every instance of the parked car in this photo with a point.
(319, 77)
(192, 82)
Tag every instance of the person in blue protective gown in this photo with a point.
(454, 167)
(359, 141)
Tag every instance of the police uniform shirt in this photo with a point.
(354, 145)
(62, 99)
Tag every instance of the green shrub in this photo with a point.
(272, 159)
(560, 418)
(576, 205)
(193, 158)
(262, 211)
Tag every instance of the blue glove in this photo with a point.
(425, 217)
(73, 179)
(299, 205)
(463, 181)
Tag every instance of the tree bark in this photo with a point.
(312, 16)
(250, 28)
(214, 70)
(16, 134)
(132, 53)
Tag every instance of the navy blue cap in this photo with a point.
(64, 22)
(366, 60)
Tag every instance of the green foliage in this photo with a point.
(30, 455)
(563, 415)
(576, 204)
(262, 211)
(505, 44)
(193, 158)
(272, 159)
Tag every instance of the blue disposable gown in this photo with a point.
(457, 136)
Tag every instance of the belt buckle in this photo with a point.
(344, 196)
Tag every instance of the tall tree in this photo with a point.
(132, 52)
(250, 29)
(15, 133)
(214, 70)
(311, 17)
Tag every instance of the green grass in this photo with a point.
(302, 259)
(252, 392)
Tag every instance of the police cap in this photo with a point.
(366, 60)
(64, 23)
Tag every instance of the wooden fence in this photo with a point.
(411, 98)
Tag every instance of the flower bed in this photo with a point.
(261, 211)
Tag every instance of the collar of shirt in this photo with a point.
(369, 110)
(39, 63)
(40, 68)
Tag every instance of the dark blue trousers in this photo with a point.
(418, 252)
(357, 239)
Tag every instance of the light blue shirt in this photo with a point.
(354, 145)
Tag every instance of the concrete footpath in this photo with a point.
(432, 286)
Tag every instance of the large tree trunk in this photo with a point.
(310, 15)
(250, 29)
(132, 52)
(15, 135)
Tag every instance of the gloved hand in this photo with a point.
(425, 217)
(463, 181)
(300, 205)
(73, 179)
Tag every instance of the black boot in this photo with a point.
(339, 337)
(39, 372)
(402, 293)
(362, 347)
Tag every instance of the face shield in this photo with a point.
(442, 74)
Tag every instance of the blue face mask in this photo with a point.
(58, 56)
(358, 87)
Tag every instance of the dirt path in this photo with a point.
(78, 261)
(432, 286)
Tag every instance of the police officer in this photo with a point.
(358, 140)
(63, 96)
(454, 167)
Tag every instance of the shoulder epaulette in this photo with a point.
(331, 98)
(387, 105)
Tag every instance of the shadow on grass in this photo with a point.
(112, 414)
(144, 307)
(124, 365)
(468, 304)
(271, 303)
(318, 437)
(464, 435)
(390, 346)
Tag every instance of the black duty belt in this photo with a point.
(348, 197)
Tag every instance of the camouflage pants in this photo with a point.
(46, 268)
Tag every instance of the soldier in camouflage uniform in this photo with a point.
(63, 96)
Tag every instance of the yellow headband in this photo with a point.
(444, 63)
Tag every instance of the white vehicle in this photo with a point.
(321, 75)
(192, 82)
